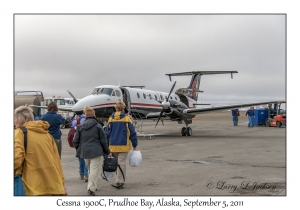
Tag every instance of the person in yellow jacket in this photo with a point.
(42, 172)
(121, 135)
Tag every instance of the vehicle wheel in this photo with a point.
(267, 123)
(278, 124)
(183, 131)
(189, 131)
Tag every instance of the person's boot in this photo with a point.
(86, 178)
(91, 192)
(81, 177)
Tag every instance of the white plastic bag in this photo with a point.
(135, 158)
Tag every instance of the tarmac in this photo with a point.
(219, 159)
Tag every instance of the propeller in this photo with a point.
(75, 100)
(162, 111)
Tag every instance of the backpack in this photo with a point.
(71, 136)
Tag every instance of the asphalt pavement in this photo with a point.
(218, 159)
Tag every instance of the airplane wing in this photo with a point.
(154, 115)
(67, 109)
(235, 106)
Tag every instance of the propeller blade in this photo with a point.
(159, 117)
(75, 100)
(171, 91)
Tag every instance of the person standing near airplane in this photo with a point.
(55, 120)
(250, 115)
(91, 143)
(121, 135)
(235, 114)
(83, 171)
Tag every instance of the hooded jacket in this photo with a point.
(42, 171)
(120, 133)
(55, 120)
(90, 140)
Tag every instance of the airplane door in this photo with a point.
(126, 99)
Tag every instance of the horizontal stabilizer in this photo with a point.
(200, 72)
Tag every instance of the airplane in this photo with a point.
(180, 106)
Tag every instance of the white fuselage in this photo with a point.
(104, 97)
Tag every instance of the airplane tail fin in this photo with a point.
(192, 90)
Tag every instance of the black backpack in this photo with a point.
(110, 164)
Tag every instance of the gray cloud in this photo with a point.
(56, 53)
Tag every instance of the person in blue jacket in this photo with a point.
(55, 120)
(250, 115)
(235, 113)
(121, 135)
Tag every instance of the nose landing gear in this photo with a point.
(186, 131)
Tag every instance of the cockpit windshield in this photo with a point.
(59, 101)
(98, 91)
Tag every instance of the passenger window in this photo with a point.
(155, 97)
(166, 97)
(175, 98)
(161, 98)
(144, 95)
(138, 95)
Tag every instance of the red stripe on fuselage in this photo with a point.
(141, 104)
(135, 104)
(104, 104)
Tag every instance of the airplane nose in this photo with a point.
(77, 107)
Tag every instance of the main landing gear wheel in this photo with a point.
(183, 131)
(186, 131)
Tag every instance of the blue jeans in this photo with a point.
(235, 120)
(82, 167)
(250, 121)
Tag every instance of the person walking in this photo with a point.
(235, 117)
(121, 135)
(91, 143)
(54, 120)
(39, 164)
(250, 115)
(83, 171)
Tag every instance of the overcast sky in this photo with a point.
(56, 53)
